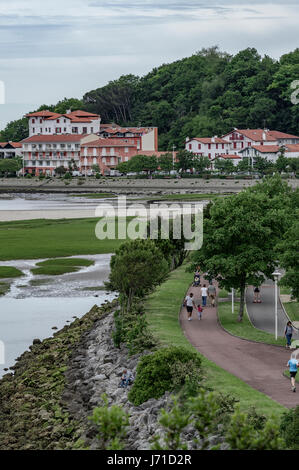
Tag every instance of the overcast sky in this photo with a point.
(52, 49)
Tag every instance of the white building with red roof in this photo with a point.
(10, 149)
(207, 146)
(270, 152)
(145, 138)
(73, 122)
(240, 139)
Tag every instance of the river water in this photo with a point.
(37, 303)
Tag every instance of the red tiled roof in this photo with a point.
(292, 148)
(149, 153)
(258, 135)
(80, 113)
(282, 135)
(16, 145)
(123, 130)
(209, 140)
(266, 148)
(55, 138)
(40, 114)
(107, 143)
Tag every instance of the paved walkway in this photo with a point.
(263, 315)
(259, 365)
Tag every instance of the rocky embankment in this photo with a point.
(46, 403)
(128, 186)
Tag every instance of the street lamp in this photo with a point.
(276, 275)
(173, 156)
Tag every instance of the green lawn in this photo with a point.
(9, 271)
(31, 239)
(56, 266)
(162, 313)
(292, 309)
(245, 329)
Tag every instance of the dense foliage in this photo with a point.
(158, 373)
(206, 94)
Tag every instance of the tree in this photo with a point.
(136, 268)
(172, 249)
(60, 170)
(244, 165)
(123, 167)
(145, 163)
(201, 164)
(10, 165)
(165, 162)
(281, 162)
(289, 257)
(241, 234)
(224, 166)
(263, 165)
(185, 160)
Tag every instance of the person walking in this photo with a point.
(204, 294)
(199, 311)
(293, 368)
(189, 304)
(212, 294)
(257, 295)
(288, 334)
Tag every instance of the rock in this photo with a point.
(36, 341)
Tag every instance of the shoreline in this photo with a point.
(131, 186)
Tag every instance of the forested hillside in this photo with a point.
(206, 94)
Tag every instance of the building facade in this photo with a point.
(10, 149)
(73, 122)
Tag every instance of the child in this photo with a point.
(199, 311)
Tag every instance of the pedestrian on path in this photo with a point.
(199, 311)
(293, 367)
(212, 293)
(204, 294)
(257, 295)
(189, 304)
(288, 334)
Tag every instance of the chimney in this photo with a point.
(187, 138)
(213, 140)
(265, 134)
(68, 111)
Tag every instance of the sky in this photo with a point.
(52, 49)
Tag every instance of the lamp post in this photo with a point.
(173, 156)
(233, 300)
(276, 275)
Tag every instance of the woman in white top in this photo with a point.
(204, 294)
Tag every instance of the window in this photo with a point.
(91, 130)
(190, 146)
(199, 146)
(75, 130)
(33, 130)
(216, 146)
(41, 121)
(84, 130)
(209, 147)
(58, 130)
(33, 121)
(64, 129)
(126, 149)
(57, 120)
(222, 146)
(41, 130)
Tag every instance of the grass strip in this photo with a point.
(162, 313)
(292, 309)
(245, 329)
(9, 271)
(40, 238)
(54, 266)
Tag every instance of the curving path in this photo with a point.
(262, 315)
(259, 365)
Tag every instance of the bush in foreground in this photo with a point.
(155, 373)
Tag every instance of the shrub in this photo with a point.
(42, 176)
(289, 428)
(155, 373)
(111, 423)
(29, 175)
(67, 176)
(98, 176)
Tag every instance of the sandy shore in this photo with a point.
(49, 214)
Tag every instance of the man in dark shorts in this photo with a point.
(293, 367)
(189, 304)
